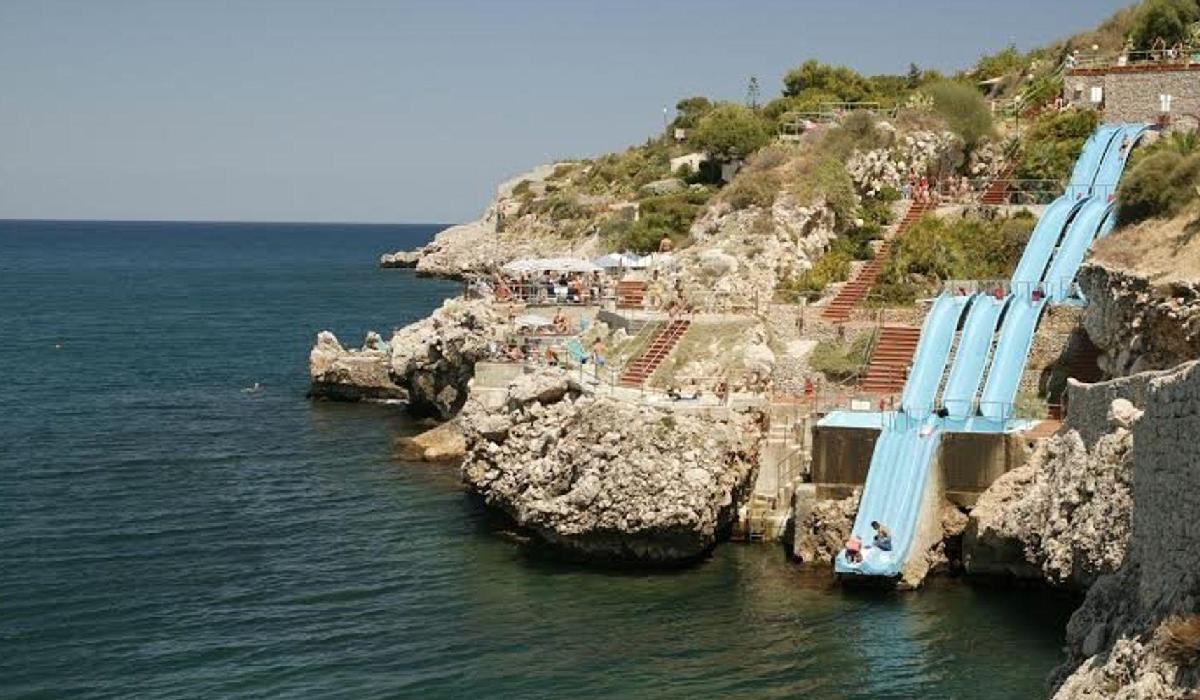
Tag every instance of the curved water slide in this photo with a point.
(933, 351)
(893, 495)
(1083, 177)
(1060, 278)
(1112, 166)
(970, 361)
(1012, 352)
(1042, 241)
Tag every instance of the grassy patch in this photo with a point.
(841, 361)
(1180, 639)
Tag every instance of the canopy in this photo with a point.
(553, 264)
(531, 321)
(616, 260)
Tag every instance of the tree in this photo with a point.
(752, 93)
(1168, 20)
(689, 110)
(913, 78)
(730, 132)
(844, 82)
(963, 108)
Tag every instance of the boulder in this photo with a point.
(604, 480)
(444, 443)
(400, 259)
(340, 374)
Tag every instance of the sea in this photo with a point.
(178, 520)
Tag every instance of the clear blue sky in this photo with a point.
(347, 110)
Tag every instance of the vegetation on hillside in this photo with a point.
(841, 361)
(1162, 179)
(936, 250)
(1051, 147)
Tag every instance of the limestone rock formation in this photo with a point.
(428, 363)
(1115, 641)
(400, 258)
(822, 530)
(1137, 324)
(444, 443)
(607, 480)
(351, 375)
(740, 255)
(1063, 516)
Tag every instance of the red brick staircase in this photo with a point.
(661, 345)
(839, 308)
(1084, 362)
(631, 294)
(997, 192)
(887, 370)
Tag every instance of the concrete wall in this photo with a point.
(968, 462)
(1131, 93)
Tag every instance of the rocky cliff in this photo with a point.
(1140, 325)
(1122, 642)
(1063, 517)
(427, 363)
(607, 480)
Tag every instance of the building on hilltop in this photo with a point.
(1157, 92)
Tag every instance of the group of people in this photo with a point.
(882, 541)
(547, 287)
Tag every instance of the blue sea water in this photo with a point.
(165, 534)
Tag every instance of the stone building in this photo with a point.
(1166, 93)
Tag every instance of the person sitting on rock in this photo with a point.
(883, 536)
(854, 550)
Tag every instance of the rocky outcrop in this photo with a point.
(444, 443)
(881, 169)
(821, 529)
(1063, 517)
(1115, 642)
(504, 232)
(400, 258)
(606, 480)
(342, 374)
(428, 363)
(740, 255)
(1137, 324)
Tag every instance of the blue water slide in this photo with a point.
(1042, 241)
(1088, 164)
(974, 347)
(1060, 278)
(929, 362)
(1012, 351)
(1112, 166)
(893, 495)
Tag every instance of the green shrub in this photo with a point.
(666, 216)
(1163, 19)
(828, 180)
(833, 266)
(556, 207)
(730, 132)
(936, 250)
(841, 81)
(689, 111)
(1004, 62)
(1054, 143)
(964, 109)
(752, 189)
(1161, 181)
(841, 361)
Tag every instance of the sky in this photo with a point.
(408, 110)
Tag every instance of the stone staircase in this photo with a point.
(1084, 362)
(888, 368)
(657, 350)
(631, 294)
(853, 292)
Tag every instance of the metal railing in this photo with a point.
(1179, 55)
